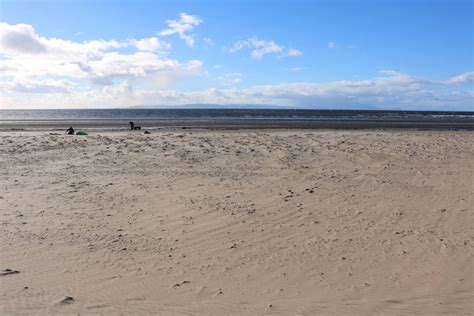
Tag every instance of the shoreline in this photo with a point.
(122, 124)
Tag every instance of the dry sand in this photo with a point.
(237, 222)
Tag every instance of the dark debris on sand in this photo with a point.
(8, 272)
(67, 300)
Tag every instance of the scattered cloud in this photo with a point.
(260, 48)
(218, 66)
(231, 78)
(208, 41)
(294, 52)
(150, 44)
(296, 69)
(467, 77)
(332, 44)
(182, 27)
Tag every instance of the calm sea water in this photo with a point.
(228, 114)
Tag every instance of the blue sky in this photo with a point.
(353, 53)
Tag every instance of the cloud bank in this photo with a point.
(30, 60)
(391, 90)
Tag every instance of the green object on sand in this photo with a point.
(81, 133)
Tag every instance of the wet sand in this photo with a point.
(266, 222)
(119, 124)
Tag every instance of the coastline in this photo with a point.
(122, 124)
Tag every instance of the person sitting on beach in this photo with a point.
(70, 131)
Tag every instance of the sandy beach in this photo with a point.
(246, 222)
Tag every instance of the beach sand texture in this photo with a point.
(237, 223)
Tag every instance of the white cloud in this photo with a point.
(29, 57)
(20, 39)
(208, 41)
(259, 48)
(231, 78)
(38, 86)
(294, 52)
(295, 69)
(182, 27)
(467, 77)
(175, 73)
(140, 64)
(332, 44)
(150, 44)
(217, 66)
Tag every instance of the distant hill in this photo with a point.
(253, 106)
(212, 106)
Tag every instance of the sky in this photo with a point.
(366, 54)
